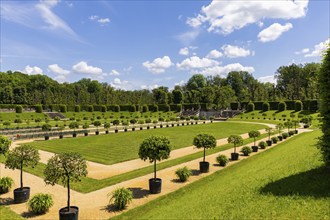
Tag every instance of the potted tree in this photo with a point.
(295, 124)
(5, 182)
(85, 126)
(279, 128)
(116, 122)
(155, 148)
(46, 128)
(288, 125)
(106, 127)
(205, 141)
(97, 124)
(269, 131)
(66, 168)
(133, 122)
(73, 125)
(19, 157)
(237, 141)
(254, 134)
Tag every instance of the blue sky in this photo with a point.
(144, 44)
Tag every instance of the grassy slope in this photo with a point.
(7, 214)
(257, 188)
(114, 148)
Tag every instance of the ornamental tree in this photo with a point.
(269, 130)
(4, 145)
(205, 141)
(22, 156)
(254, 134)
(279, 127)
(236, 140)
(155, 148)
(65, 168)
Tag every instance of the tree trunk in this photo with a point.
(204, 155)
(234, 148)
(68, 193)
(154, 169)
(21, 174)
(254, 141)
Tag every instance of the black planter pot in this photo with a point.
(172, 125)
(306, 126)
(161, 126)
(141, 128)
(296, 131)
(125, 129)
(97, 132)
(211, 121)
(116, 131)
(182, 124)
(21, 195)
(148, 127)
(155, 127)
(204, 167)
(133, 129)
(71, 214)
(196, 123)
(86, 134)
(74, 135)
(178, 125)
(280, 138)
(107, 132)
(155, 185)
(234, 156)
(46, 138)
(255, 148)
(203, 122)
(167, 126)
(269, 142)
(61, 136)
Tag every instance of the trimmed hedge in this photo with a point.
(265, 106)
(63, 108)
(153, 108)
(18, 109)
(164, 108)
(145, 108)
(90, 108)
(38, 108)
(113, 108)
(234, 106)
(77, 108)
(281, 106)
(298, 106)
(250, 107)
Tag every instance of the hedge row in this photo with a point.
(308, 105)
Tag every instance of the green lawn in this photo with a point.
(114, 148)
(7, 214)
(286, 182)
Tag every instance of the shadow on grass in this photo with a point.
(30, 214)
(139, 193)
(315, 183)
(6, 201)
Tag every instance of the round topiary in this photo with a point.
(265, 106)
(222, 160)
(18, 109)
(38, 108)
(281, 106)
(40, 203)
(298, 106)
(250, 107)
(246, 150)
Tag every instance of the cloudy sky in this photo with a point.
(145, 44)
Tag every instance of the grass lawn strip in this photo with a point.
(287, 182)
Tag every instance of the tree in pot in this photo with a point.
(66, 168)
(279, 128)
(288, 125)
(269, 131)
(46, 128)
(254, 134)
(60, 129)
(85, 126)
(237, 141)
(155, 148)
(97, 124)
(73, 125)
(116, 122)
(106, 127)
(19, 157)
(5, 182)
(205, 141)
(295, 123)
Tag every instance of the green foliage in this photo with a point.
(236, 140)
(121, 197)
(73, 125)
(262, 144)
(222, 160)
(106, 125)
(323, 83)
(269, 131)
(291, 133)
(97, 123)
(4, 145)
(281, 106)
(18, 109)
(246, 150)
(63, 108)
(279, 127)
(90, 108)
(254, 134)
(5, 184)
(250, 107)
(77, 108)
(40, 203)
(46, 127)
(274, 139)
(298, 106)
(22, 156)
(265, 106)
(285, 135)
(206, 141)
(38, 108)
(103, 108)
(307, 120)
(183, 173)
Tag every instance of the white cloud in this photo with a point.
(114, 73)
(103, 20)
(273, 32)
(61, 78)
(224, 70)
(196, 63)
(128, 69)
(214, 54)
(32, 70)
(93, 17)
(184, 51)
(120, 84)
(235, 51)
(260, 24)
(55, 68)
(265, 79)
(82, 67)
(150, 87)
(187, 37)
(319, 49)
(303, 51)
(158, 65)
(226, 16)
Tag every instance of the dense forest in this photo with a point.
(294, 82)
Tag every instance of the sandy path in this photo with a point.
(94, 205)
(101, 171)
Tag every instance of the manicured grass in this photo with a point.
(114, 148)
(7, 214)
(286, 182)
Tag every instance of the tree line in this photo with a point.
(293, 82)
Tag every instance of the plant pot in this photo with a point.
(172, 125)
(161, 126)
(133, 129)
(116, 131)
(234, 156)
(155, 185)
(280, 138)
(97, 132)
(306, 126)
(74, 135)
(269, 142)
(46, 138)
(178, 125)
(61, 136)
(167, 126)
(86, 134)
(204, 167)
(296, 131)
(125, 129)
(203, 122)
(155, 127)
(71, 214)
(255, 148)
(141, 128)
(182, 124)
(148, 127)
(21, 195)
(107, 132)
(196, 123)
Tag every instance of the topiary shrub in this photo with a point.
(40, 203)
(183, 173)
(262, 145)
(18, 109)
(250, 107)
(90, 108)
(275, 140)
(298, 106)
(121, 197)
(265, 106)
(246, 150)
(281, 106)
(38, 108)
(285, 135)
(5, 184)
(77, 108)
(222, 160)
(63, 108)
(103, 108)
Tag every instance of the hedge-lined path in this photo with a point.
(101, 171)
(94, 205)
